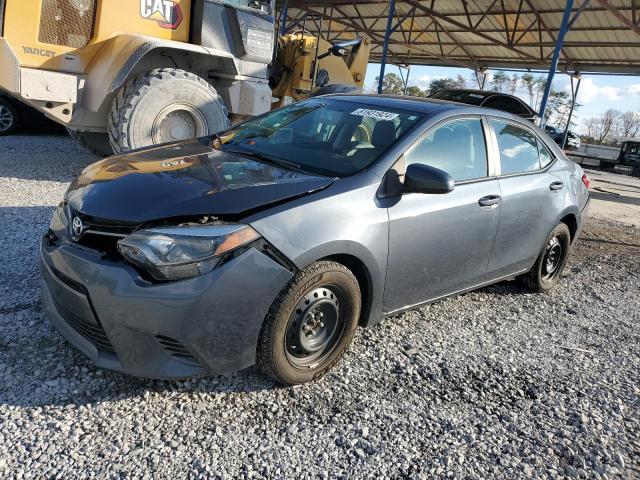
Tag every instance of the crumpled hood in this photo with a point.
(183, 179)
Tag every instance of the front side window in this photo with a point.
(518, 148)
(329, 137)
(457, 148)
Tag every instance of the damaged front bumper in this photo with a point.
(208, 324)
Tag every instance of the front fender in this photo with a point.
(122, 56)
(342, 220)
(354, 254)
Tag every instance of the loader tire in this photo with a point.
(97, 143)
(162, 106)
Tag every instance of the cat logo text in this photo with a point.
(166, 12)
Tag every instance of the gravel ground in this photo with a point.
(497, 383)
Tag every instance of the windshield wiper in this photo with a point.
(267, 158)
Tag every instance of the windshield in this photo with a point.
(328, 137)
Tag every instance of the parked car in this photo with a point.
(573, 140)
(488, 99)
(15, 114)
(271, 242)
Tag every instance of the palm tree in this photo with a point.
(528, 82)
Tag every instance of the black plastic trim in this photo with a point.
(3, 4)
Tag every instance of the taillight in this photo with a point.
(585, 180)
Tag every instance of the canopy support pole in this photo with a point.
(385, 47)
(574, 97)
(284, 13)
(556, 57)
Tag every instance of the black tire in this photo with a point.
(295, 324)
(547, 270)
(636, 172)
(162, 106)
(97, 143)
(9, 117)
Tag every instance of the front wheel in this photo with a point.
(546, 272)
(310, 324)
(165, 105)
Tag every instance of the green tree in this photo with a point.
(528, 82)
(499, 80)
(558, 106)
(391, 84)
(415, 91)
(513, 84)
(461, 82)
(539, 85)
(442, 84)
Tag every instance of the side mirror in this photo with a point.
(421, 178)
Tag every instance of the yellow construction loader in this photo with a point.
(124, 74)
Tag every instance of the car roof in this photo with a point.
(483, 93)
(425, 105)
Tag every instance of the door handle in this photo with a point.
(489, 201)
(556, 186)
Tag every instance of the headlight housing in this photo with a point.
(59, 222)
(176, 253)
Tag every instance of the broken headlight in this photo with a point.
(176, 253)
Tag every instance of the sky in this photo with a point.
(597, 92)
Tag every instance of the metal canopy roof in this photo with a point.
(604, 35)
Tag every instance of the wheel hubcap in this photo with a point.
(553, 259)
(6, 118)
(314, 327)
(178, 122)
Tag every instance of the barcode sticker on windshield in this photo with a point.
(380, 115)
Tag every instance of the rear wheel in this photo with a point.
(97, 143)
(164, 105)
(310, 325)
(8, 117)
(636, 171)
(546, 272)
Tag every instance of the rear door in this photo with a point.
(533, 196)
(440, 244)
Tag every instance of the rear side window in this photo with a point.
(545, 156)
(457, 147)
(518, 148)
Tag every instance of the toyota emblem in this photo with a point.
(76, 228)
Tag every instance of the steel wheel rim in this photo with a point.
(552, 259)
(315, 327)
(6, 118)
(178, 122)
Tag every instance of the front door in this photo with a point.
(440, 244)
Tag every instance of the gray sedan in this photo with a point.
(272, 242)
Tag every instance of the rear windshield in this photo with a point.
(469, 98)
(328, 137)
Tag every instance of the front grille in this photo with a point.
(67, 22)
(99, 235)
(94, 333)
(100, 242)
(174, 348)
